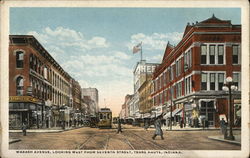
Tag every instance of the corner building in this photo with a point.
(190, 78)
(39, 88)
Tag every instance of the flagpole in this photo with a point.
(141, 51)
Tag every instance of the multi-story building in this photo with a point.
(125, 108)
(145, 99)
(37, 84)
(142, 69)
(93, 93)
(190, 78)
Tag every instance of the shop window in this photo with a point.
(19, 59)
(19, 86)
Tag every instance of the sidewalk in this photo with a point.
(221, 138)
(13, 140)
(46, 130)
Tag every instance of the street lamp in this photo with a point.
(228, 86)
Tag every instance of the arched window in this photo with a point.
(19, 86)
(19, 59)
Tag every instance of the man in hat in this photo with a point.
(158, 130)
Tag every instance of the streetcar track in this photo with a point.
(152, 142)
(106, 144)
(128, 142)
(82, 144)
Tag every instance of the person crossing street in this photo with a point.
(158, 130)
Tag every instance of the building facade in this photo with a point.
(141, 71)
(190, 78)
(93, 93)
(37, 84)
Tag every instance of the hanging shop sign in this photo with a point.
(23, 99)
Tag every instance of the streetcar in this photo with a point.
(105, 118)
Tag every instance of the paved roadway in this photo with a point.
(132, 138)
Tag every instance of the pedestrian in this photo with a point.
(223, 126)
(146, 125)
(119, 126)
(158, 130)
(24, 128)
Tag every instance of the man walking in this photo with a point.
(24, 128)
(119, 128)
(223, 126)
(158, 130)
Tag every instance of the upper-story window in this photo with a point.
(31, 61)
(212, 81)
(19, 86)
(187, 59)
(236, 54)
(220, 54)
(204, 81)
(203, 54)
(220, 80)
(212, 54)
(236, 80)
(45, 72)
(19, 59)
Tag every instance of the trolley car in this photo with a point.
(105, 118)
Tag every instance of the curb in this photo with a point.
(14, 141)
(226, 141)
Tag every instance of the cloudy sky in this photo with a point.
(94, 45)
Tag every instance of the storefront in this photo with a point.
(24, 109)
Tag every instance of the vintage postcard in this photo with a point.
(124, 78)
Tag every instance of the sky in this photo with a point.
(94, 45)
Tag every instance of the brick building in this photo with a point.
(39, 88)
(190, 78)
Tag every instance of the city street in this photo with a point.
(132, 138)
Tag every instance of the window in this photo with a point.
(31, 61)
(220, 81)
(19, 59)
(220, 54)
(172, 73)
(212, 81)
(212, 54)
(235, 54)
(19, 86)
(45, 73)
(165, 78)
(188, 85)
(203, 54)
(177, 68)
(203, 81)
(179, 89)
(236, 79)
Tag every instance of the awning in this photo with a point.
(167, 115)
(176, 111)
(180, 113)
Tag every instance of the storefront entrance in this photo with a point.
(207, 112)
